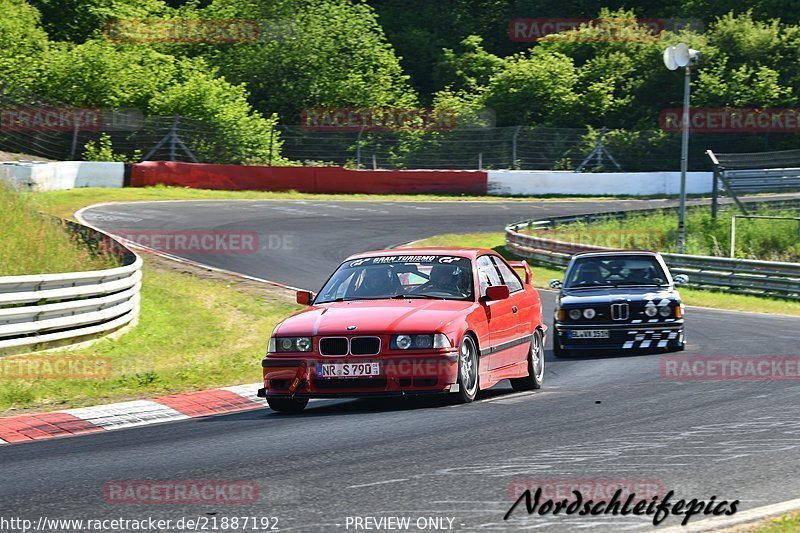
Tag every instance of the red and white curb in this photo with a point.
(129, 414)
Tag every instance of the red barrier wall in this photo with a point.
(307, 179)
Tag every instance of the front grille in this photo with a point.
(333, 346)
(620, 311)
(350, 383)
(365, 346)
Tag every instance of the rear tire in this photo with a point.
(535, 375)
(468, 370)
(287, 405)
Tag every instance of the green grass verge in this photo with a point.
(65, 203)
(33, 244)
(192, 334)
(788, 523)
(541, 276)
(766, 239)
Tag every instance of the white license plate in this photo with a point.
(348, 370)
(588, 334)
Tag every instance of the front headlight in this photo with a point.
(651, 310)
(420, 342)
(289, 344)
(575, 314)
(440, 340)
(589, 313)
(665, 311)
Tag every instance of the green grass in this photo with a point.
(542, 275)
(788, 523)
(65, 203)
(34, 244)
(770, 240)
(193, 334)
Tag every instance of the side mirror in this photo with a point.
(680, 279)
(305, 297)
(555, 283)
(497, 292)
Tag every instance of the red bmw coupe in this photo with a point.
(409, 322)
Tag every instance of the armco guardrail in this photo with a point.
(50, 310)
(742, 276)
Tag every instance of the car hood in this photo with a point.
(375, 317)
(612, 294)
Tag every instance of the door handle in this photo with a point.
(514, 309)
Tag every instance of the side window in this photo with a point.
(487, 274)
(508, 276)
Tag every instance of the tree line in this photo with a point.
(449, 55)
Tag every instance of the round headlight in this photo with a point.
(665, 311)
(403, 342)
(286, 344)
(304, 344)
(574, 314)
(423, 341)
(589, 313)
(650, 310)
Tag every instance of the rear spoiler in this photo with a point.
(524, 266)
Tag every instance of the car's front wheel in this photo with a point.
(467, 370)
(535, 375)
(287, 405)
(558, 351)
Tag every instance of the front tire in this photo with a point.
(468, 375)
(287, 405)
(535, 376)
(682, 346)
(558, 351)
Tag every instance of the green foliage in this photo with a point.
(196, 94)
(33, 244)
(323, 53)
(456, 53)
(771, 240)
(78, 20)
(20, 38)
(102, 74)
(102, 150)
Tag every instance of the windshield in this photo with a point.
(400, 276)
(615, 271)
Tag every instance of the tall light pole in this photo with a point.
(677, 56)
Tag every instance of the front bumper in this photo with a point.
(400, 375)
(643, 335)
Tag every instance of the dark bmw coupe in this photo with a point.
(618, 300)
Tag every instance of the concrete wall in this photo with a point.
(74, 174)
(63, 175)
(537, 182)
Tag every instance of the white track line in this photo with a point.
(127, 414)
(378, 483)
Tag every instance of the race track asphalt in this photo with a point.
(599, 420)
